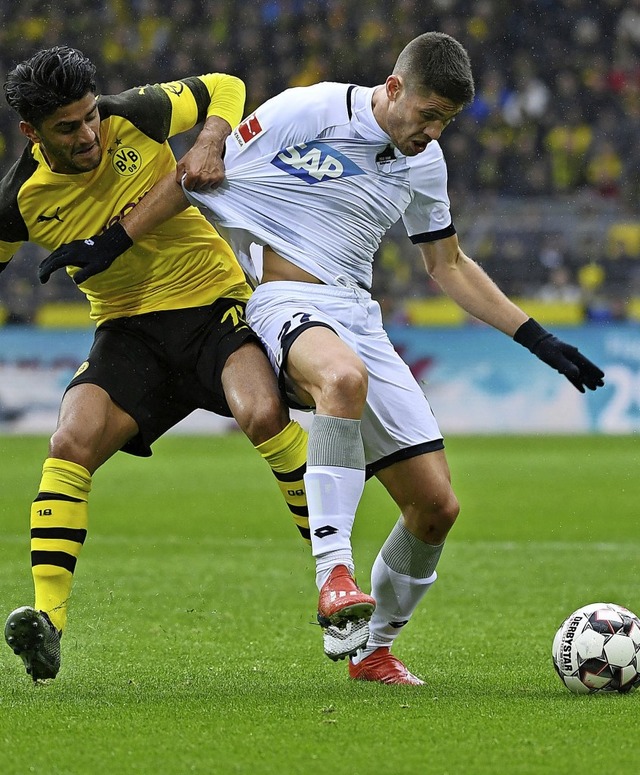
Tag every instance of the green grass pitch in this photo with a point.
(191, 646)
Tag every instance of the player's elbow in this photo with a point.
(438, 264)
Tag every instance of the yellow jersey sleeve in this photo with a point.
(225, 95)
(162, 110)
(13, 229)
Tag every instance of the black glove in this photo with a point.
(562, 357)
(91, 255)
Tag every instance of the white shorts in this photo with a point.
(397, 422)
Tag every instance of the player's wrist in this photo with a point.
(530, 334)
(115, 239)
(213, 134)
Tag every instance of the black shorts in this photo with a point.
(160, 366)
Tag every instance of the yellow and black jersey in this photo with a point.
(184, 262)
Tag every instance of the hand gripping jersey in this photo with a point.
(312, 175)
(184, 262)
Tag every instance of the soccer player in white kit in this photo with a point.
(317, 175)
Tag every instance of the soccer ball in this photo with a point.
(597, 648)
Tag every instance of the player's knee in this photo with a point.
(344, 388)
(432, 520)
(262, 418)
(448, 511)
(67, 444)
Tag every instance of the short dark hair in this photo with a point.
(53, 77)
(437, 62)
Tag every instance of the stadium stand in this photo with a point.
(544, 166)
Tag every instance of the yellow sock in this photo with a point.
(286, 453)
(59, 519)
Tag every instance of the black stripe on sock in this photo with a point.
(64, 533)
(299, 511)
(291, 476)
(59, 559)
(304, 532)
(56, 496)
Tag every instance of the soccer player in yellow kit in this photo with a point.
(170, 336)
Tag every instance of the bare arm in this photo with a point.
(163, 201)
(469, 286)
(473, 290)
(202, 167)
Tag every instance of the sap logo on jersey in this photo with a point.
(315, 162)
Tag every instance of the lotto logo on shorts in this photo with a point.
(315, 162)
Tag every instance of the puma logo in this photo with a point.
(55, 217)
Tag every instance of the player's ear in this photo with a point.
(393, 87)
(29, 131)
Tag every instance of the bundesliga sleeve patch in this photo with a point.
(248, 130)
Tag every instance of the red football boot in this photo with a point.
(383, 667)
(341, 601)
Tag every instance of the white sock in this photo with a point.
(333, 494)
(326, 563)
(334, 482)
(402, 574)
(397, 596)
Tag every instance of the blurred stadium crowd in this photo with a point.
(544, 166)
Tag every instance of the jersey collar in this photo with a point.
(363, 118)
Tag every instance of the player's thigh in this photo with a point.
(324, 366)
(305, 331)
(421, 487)
(247, 374)
(251, 391)
(91, 427)
(128, 361)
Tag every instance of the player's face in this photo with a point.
(414, 118)
(70, 137)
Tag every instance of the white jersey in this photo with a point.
(312, 175)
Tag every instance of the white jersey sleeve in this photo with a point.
(428, 216)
